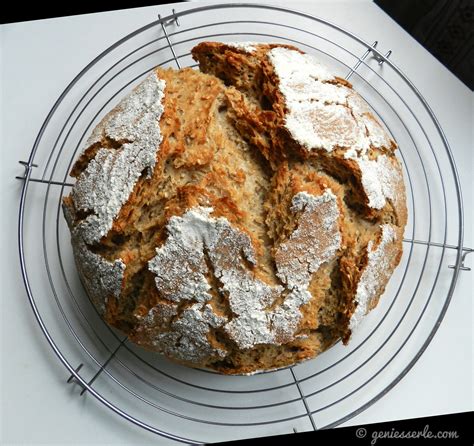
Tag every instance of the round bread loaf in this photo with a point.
(242, 217)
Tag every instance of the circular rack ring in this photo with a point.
(321, 393)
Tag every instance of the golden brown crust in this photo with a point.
(227, 164)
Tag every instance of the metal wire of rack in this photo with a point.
(321, 393)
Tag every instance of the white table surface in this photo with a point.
(37, 60)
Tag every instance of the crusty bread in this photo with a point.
(243, 217)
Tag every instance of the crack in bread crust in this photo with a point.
(266, 224)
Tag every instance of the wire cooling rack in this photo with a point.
(191, 405)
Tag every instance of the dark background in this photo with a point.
(444, 27)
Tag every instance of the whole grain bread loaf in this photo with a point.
(242, 217)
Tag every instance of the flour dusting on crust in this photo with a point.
(322, 115)
(110, 177)
(295, 68)
(378, 135)
(185, 242)
(248, 47)
(380, 179)
(374, 274)
(314, 242)
(181, 270)
(188, 338)
(101, 277)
